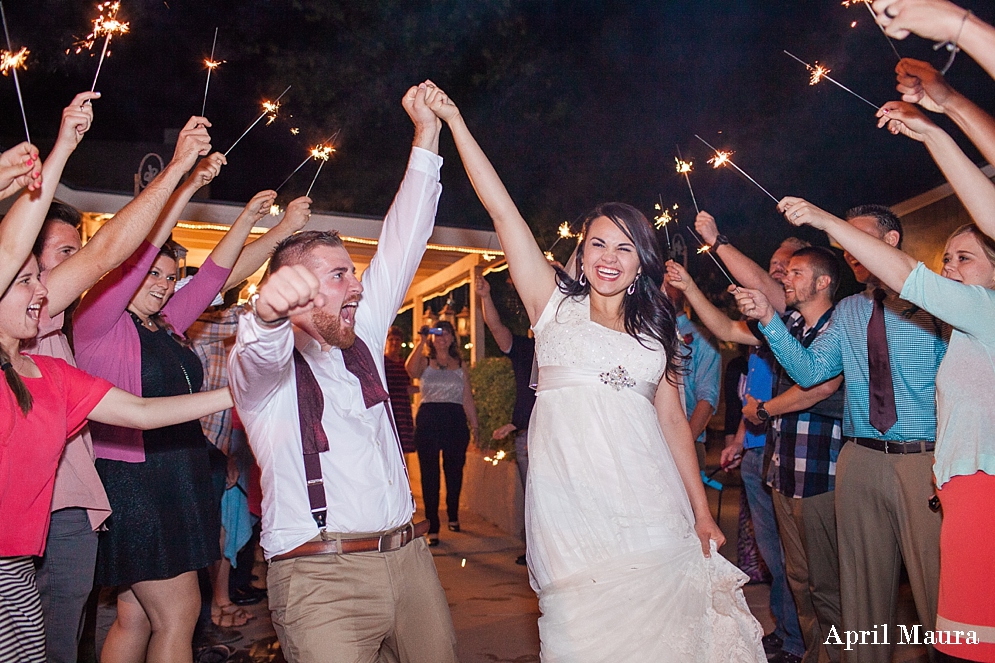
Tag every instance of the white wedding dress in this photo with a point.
(612, 551)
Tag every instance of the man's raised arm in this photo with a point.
(411, 217)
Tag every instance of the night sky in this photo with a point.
(575, 102)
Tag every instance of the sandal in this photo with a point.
(433, 539)
(229, 615)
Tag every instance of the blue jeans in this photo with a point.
(782, 603)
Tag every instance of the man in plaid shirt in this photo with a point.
(805, 436)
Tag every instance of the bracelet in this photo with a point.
(953, 46)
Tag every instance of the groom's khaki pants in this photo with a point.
(362, 608)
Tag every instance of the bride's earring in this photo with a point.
(583, 279)
(632, 286)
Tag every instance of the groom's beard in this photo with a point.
(331, 329)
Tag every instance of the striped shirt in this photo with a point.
(916, 345)
(213, 336)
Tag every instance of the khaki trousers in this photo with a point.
(883, 517)
(362, 608)
(808, 533)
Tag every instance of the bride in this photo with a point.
(621, 542)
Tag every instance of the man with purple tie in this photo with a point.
(350, 578)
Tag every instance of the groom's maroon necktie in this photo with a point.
(883, 414)
(311, 405)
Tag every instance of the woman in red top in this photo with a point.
(45, 402)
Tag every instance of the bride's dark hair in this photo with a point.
(648, 312)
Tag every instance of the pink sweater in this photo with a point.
(107, 343)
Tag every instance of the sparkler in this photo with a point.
(269, 108)
(722, 158)
(105, 25)
(662, 219)
(211, 65)
(322, 150)
(274, 210)
(824, 73)
(705, 248)
(12, 61)
(320, 153)
(867, 3)
(684, 168)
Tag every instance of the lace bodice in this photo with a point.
(565, 336)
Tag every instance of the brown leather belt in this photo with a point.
(387, 542)
(894, 446)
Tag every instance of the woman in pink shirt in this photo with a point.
(44, 402)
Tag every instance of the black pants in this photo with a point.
(441, 427)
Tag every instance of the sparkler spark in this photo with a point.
(829, 78)
(549, 256)
(564, 230)
(274, 210)
(683, 167)
(10, 61)
(720, 159)
(106, 25)
(818, 72)
(269, 108)
(213, 64)
(322, 152)
(295, 130)
(704, 249)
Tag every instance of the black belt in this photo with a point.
(895, 446)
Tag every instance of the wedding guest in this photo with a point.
(941, 21)
(888, 350)
(703, 369)
(400, 388)
(521, 351)
(164, 525)
(46, 401)
(79, 503)
(747, 451)
(307, 380)
(446, 421)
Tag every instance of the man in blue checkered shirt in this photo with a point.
(884, 480)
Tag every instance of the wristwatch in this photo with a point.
(719, 241)
(762, 413)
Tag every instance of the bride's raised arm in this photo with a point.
(534, 277)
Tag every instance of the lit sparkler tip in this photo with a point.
(295, 130)
(322, 152)
(704, 249)
(564, 230)
(720, 159)
(663, 218)
(275, 210)
(213, 64)
(10, 61)
(549, 256)
(818, 72)
(683, 167)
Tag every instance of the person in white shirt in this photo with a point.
(350, 576)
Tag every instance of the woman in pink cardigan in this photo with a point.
(164, 523)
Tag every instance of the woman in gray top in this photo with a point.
(441, 425)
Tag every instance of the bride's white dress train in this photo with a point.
(612, 550)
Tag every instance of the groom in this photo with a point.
(350, 578)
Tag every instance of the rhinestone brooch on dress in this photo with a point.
(618, 378)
